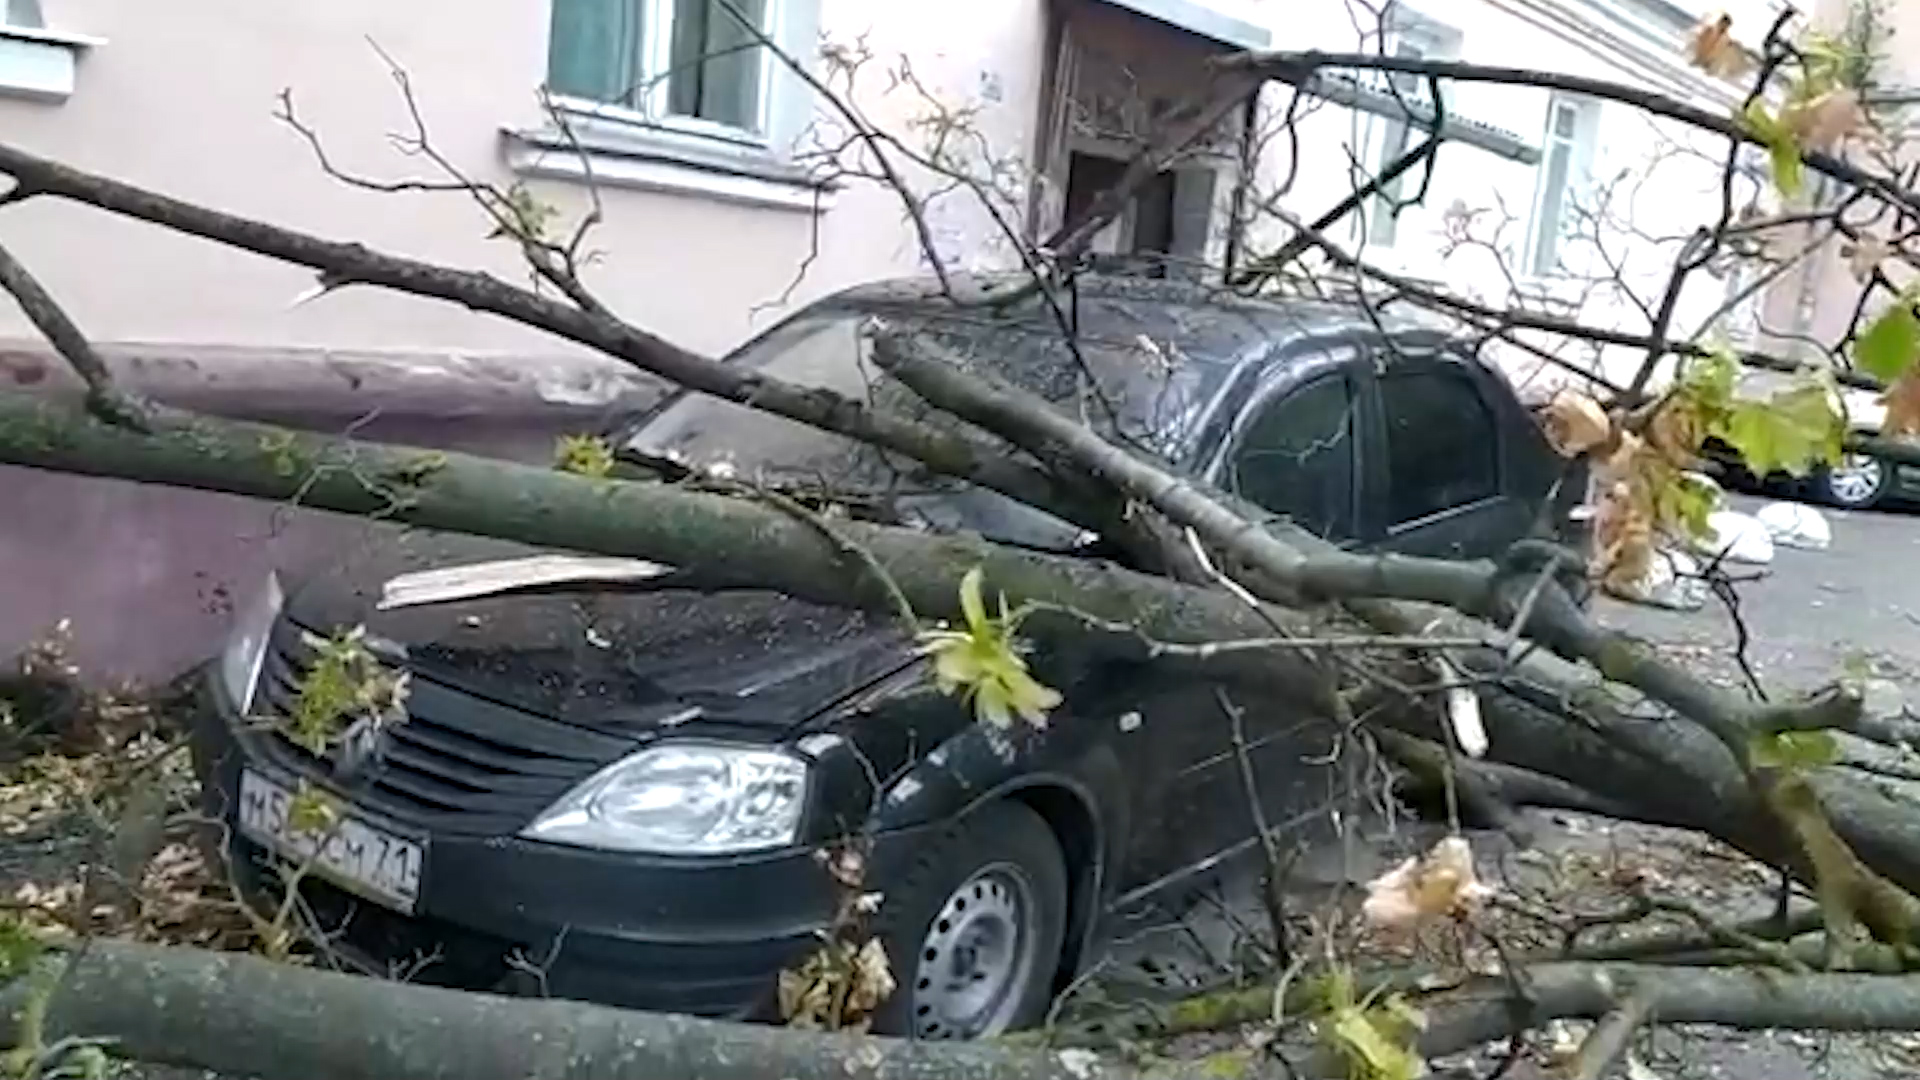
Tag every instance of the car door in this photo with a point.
(1437, 460)
(1293, 448)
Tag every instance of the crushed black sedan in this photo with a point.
(614, 788)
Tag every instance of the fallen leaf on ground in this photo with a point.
(1440, 883)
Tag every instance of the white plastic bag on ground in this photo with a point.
(1736, 538)
(1672, 581)
(1796, 526)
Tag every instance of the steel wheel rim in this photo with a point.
(976, 957)
(1855, 479)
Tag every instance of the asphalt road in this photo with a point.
(1811, 613)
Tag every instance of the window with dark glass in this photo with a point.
(1296, 458)
(1442, 451)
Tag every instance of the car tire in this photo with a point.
(1861, 481)
(974, 929)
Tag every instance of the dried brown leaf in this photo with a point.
(1902, 401)
(1441, 883)
(1823, 121)
(1865, 255)
(1712, 49)
(1575, 423)
(1623, 536)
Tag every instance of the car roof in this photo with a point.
(1180, 305)
(1188, 341)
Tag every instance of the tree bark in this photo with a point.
(722, 541)
(242, 1015)
(245, 1016)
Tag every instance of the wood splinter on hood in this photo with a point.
(505, 575)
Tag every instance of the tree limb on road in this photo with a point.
(243, 1015)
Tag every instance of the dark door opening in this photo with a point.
(1146, 227)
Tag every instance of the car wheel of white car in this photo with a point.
(1857, 482)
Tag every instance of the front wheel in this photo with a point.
(1856, 483)
(974, 931)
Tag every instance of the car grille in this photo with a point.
(461, 763)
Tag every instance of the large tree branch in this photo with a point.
(342, 263)
(244, 1016)
(1298, 68)
(106, 400)
(721, 541)
(241, 1015)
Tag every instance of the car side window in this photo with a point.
(1296, 457)
(1442, 443)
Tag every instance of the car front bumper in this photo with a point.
(703, 936)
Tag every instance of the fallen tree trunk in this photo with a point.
(721, 541)
(243, 1015)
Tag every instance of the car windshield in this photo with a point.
(1110, 380)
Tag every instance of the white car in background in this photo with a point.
(1857, 482)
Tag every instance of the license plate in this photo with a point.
(357, 856)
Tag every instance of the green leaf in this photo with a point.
(1708, 380)
(312, 811)
(1794, 749)
(1374, 1055)
(20, 947)
(984, 662)
(1684, 502)
(584, 455)
(1788, 175)
(1782, 151)
(971, 605)
(1790, 432)
(1888, 346)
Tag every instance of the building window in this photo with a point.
(1565, 161)
(1412, 36)
(689, 63)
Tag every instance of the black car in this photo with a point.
(619, 794)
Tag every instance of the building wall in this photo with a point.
(1663, 176)
(1816, 300)
(182, 95)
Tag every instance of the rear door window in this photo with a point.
(1442, 444)
(1296, 457)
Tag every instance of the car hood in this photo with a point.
(617, 659)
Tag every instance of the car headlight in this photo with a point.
(683, 799)
(246, 648)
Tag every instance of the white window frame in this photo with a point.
(1579, 146)
(1428, 39)
(648, 148)
(656, 60)
(38, 63)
